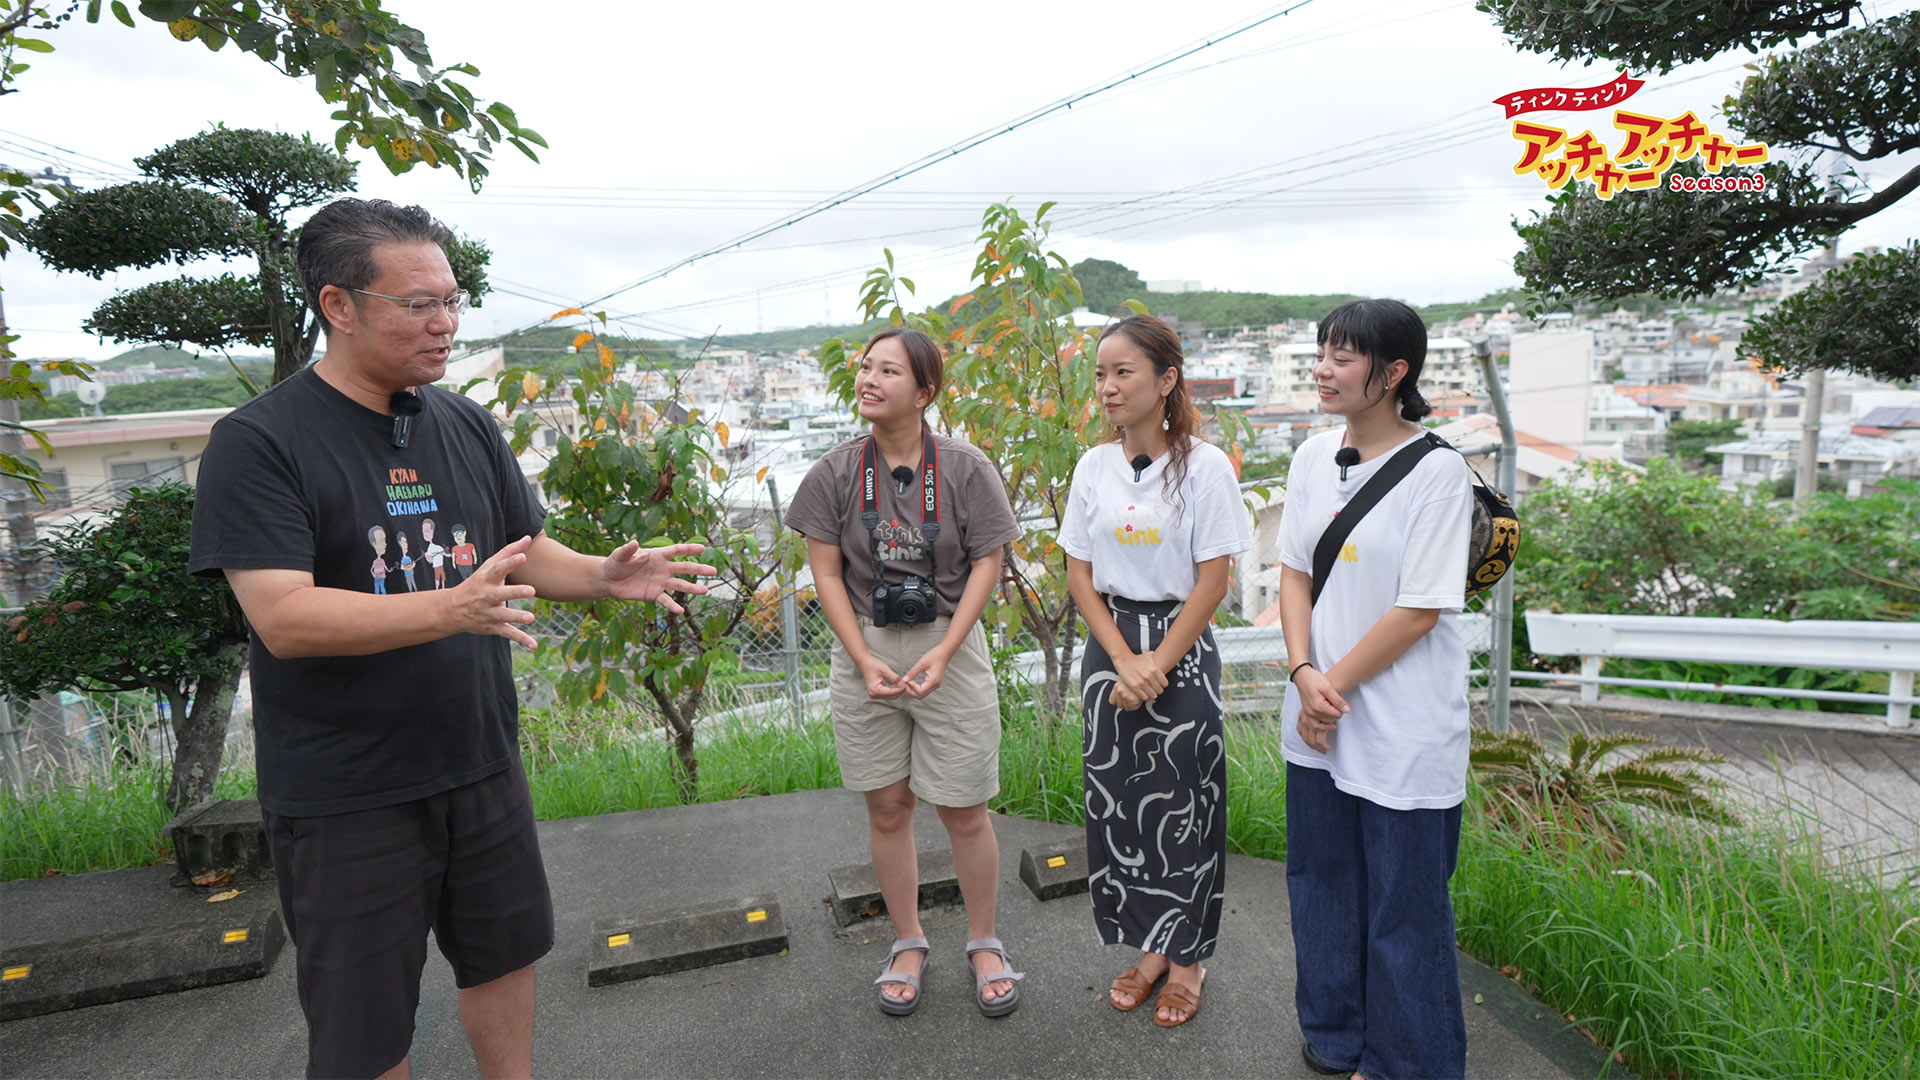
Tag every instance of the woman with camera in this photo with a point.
(904, 533)
(1153, 520)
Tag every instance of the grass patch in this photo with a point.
(1702, 951)
(108, 820)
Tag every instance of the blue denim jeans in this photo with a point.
(1376, 980)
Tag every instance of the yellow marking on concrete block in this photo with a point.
(1055, 862)
(757, 916)
(234, 937)
(13, 973)
(617, 940)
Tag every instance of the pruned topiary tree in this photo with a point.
(222, 193)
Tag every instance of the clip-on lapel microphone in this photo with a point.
(1346, 457)
(405, 407)
(1140, 464)
(902, 476)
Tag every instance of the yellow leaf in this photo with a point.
(600, 687)
(219, 896)
(581, 339)
(606, 358)
(626, 411)
(718, 474)
(184, 29)
(530, 385)
(721, 430)
(762, 474)
(563, 314)
(599, 423)
(1048, 409)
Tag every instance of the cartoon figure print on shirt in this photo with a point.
(1138, 523)
(406, 564)
(463, 553)
(410, 496)
(377, 537)
(435, 555)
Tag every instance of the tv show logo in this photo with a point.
(1650, 145)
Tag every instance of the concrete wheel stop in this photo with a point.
(681, 939)
(856, 890)
(94, 938)
(1054, 870)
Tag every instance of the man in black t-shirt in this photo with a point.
(385, 719)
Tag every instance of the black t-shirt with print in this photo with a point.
(304, 478)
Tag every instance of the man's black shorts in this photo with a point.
(360, 891)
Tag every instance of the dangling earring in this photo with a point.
(1164, 425)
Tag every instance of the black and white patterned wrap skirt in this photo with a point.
(1156, 794)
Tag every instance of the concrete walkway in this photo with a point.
(811, 1012)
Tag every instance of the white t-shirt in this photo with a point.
(1404, 745)
(1143, 545)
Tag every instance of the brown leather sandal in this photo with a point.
(1177, 997)
(1134, 983)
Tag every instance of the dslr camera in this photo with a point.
(903, 602)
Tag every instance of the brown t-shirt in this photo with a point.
(975, 519)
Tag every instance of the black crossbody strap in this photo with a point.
(1327, 551)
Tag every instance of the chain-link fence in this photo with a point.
(784, 645)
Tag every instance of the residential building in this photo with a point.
(96, 458)
(1859, 461)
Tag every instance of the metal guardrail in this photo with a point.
(1249, 644)
(1810, 643)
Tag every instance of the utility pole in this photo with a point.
(1500, 667)
(18, 499)
(1806, 475)
(789, 620)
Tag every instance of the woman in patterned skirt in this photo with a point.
(1154, 517)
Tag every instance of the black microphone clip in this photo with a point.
(1346, 457)
(405, 407)
(902, 476)
(1140, 463)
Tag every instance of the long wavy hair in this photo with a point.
(1159, 344)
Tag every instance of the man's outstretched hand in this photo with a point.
(481, 604)
(636, 573)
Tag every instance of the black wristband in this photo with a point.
(1297, 667)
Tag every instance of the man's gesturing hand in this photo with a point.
(636, 573)
(479, 604)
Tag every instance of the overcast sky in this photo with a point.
(1357, 137)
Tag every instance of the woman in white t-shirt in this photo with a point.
(1376, 715)
(1153, 520)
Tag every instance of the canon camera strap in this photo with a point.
(1371, 492)
(929, 500)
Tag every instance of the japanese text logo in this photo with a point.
(1650, 145)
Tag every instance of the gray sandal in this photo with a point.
(999, 1006)
(893, 1006)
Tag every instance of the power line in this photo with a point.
(944, 154)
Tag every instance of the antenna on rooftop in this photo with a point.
(91, 393)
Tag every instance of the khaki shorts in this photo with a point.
(948, 744)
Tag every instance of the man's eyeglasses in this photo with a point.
(425, 307)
